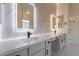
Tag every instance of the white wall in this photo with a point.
(0, 19)
(43, 12)
(0, 13)
(43, 19)
(7, 28)
(74, 27)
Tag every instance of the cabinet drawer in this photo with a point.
(23, 52)
(36, 47)
(48, 42)
(40, 53)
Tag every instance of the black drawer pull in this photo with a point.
(46, 52)
(61, 40)
(48, 41)
(17, 55)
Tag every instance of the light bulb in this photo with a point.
(76, 16)
(27, 12)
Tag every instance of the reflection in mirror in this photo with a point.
(53, 22)
(60, 21)
(25, 16)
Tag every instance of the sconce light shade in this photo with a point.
(73, 18)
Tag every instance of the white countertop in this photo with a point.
(19, 43)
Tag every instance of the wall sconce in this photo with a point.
(73, 18)
(65, 23)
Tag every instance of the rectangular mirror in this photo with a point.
(25, 16)
(53, 22)
(60, 21)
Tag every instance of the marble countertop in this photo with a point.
(18, 43)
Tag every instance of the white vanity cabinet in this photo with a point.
(54, 45)
(23, 52)
(41, 49)
(48, 42)
(57, 44)
(37, 49)
(65, 39)
(48, 48)
(61, 41)
(48, 51)
(44, 48)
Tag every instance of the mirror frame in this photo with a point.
(51, 20)
(25, 30)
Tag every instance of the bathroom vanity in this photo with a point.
(36, 46)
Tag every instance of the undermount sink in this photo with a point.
(32, 39)
(28, 40)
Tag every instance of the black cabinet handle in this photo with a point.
(17, 55)
(48, 41)
(46, 52)
(61, 40)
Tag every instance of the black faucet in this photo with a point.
(54, 31)
(28, 34)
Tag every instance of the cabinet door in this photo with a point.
(61, 41)
(23, 52)
(36, 47)
(65, 39)
(48, 51)
(48, 42)
(55, 45)
(40, 53)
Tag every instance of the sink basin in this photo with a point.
(32, 39)
(29, 40)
